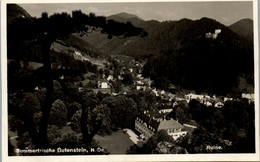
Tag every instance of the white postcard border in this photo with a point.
(189, 157)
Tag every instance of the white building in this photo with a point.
(78, 56)
(213, 35)
(201, 98)
(219, 105)
(227, 99)
(110, 77)
(165, 111)
(249, 96)
(148, 126)
(155, 92)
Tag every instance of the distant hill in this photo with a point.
(115, 45)
(81, 44)
(244, 28)
(15, 11)
(118, 46)
(125, 17)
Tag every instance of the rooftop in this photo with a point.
(170, 124)
(160, 124)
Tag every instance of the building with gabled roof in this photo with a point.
(103, 87)
(170, 124)
(249, 96)
(148, 124)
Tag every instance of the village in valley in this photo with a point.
(150, 121)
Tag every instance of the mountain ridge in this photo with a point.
(184, 52)
(243, 27)
(127, 17)
(124, 15)
(199, 61)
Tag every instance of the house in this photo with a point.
(131, 70)
(103, 87)
(85, 59)
(173, 128)
(115, 94)
(207, 103)
(217, 31)
(110, 78)
(180, 97)
(165, 111)
(61, 77)
(147, 125)
(103, 84)
(165, 95)
(249, 96)
(200, 98)
(162, 92)
(155, 92)
(191, 126)
(140, 87)
(227, 99)
(180, 102)
(171, 97)
(208, 35)
(139, 82)
(80, 89)
(147, 81)
(78, 56)
(219, 105)
(172, 88)
(139, 76)
(120, 77)
(36, 88)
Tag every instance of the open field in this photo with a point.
(116, 143)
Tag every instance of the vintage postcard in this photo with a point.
(129, 80)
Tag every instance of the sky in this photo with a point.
(225, 12)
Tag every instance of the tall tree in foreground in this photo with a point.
(45, 30)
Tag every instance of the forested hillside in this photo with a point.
(204, 64)
(179, 52)
(244, 28)
(30, 50)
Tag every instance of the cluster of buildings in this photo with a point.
(207, 100)
(249, 96)
(150, 123)
(78, 56)
(213, 35)
(142, 83)
(134, 68)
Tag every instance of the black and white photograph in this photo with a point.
(130, 80)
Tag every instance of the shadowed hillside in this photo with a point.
(244, 28)
(179, 52)
(194, 60)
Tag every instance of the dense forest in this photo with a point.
(196, 62)
(179, 52)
